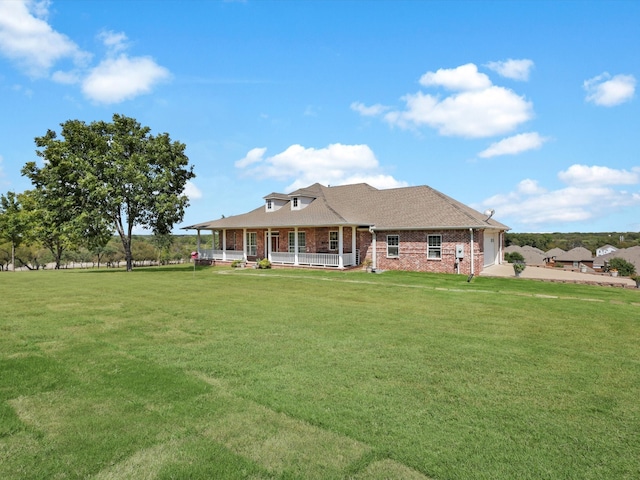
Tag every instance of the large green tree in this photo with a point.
(113, 173)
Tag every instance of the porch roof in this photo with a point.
(419, 207)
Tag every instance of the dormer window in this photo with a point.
(269, 204)
(295, 202)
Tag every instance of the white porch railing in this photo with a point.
(314, 259)
(211, 254)
(284, 258)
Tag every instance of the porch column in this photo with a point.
(224, 244)
(353, 244)
(244, 244)
(295, 245)
(198, 242)
(374, 255)
(268, 246)
(340, 248)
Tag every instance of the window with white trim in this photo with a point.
(295, 202)
(393, 246)
(302, 242)
(333, 240)
(434, 246)
(252, 244)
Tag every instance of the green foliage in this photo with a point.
(237, 263)
(105, 176)
(513, 257)
(623, 267)
(567, 241)
(518, 267)
(264, 263)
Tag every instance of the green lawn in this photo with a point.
(170, 373)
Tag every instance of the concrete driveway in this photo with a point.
(558, 275)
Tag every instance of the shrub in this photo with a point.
(623, 267)
(513, 257)
(237, 263)
(264, 263)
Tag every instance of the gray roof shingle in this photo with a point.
(419, 207)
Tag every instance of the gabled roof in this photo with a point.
(419, 207)
(575, 255)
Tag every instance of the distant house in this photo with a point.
(412, 228)
(605, 249)
(575, 258)
(631, 255)
(551, 255)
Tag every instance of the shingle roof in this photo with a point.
(575, 255)
(419, 207)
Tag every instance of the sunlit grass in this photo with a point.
(218, 373)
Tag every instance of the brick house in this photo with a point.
(411, 228)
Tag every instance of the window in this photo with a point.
(252, 244)
(295, 202)
(269, 204)
(434, 246)
(393, 245)
(302, 242)
(333, 240)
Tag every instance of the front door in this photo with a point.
(275, 243)
(490, 248)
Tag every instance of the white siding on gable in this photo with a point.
(605, 250)
(273, 204)
(298, 203)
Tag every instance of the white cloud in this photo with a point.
(583, 175)
(123, 78)
(255, 155)
(191, 191)
(513, 69)
(608, 91)
(463, 78)
(476, 109)
(114, 41)
(473, 114)
(514, 145)
(370, 111)
(336, 164)
(589, 194)
(27, 39)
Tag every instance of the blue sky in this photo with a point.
(526, 107)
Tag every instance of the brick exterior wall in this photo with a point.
(413, 251)
(412, 248)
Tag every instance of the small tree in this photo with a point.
(624, 268)
(513, 257)
(14, 222)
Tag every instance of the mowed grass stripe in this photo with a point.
(414, 374)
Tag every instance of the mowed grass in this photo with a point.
(174, 373)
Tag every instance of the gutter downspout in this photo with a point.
(374, 257)
(471, 245)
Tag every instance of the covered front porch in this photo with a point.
(311, 247)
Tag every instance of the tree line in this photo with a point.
(567, 241)
(95, 181)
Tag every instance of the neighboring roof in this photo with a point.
(361, 204)
(532, 255)
(555, 252)
(575, 255)
(631, 254)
